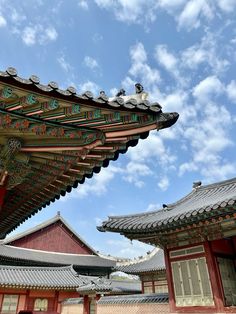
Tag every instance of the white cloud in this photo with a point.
(98, 185)
(83, 4)
(29, 35)
(227, 5)
(208, 137)
(193, 10)
(3, 21)
(38, 34)
(50, 34)
(134, 171)
(188, 14)
(131, 11)
(166, 59)
(151, 207)
(206, 52)
(89, 86)
(140, 69)
(208, 88)
(164, 183)
(126, 248)
(231, 91)
(91, 63)
(65, 65)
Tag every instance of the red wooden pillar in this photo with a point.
(56, 300)
(2, 194)
(86, 304)
(214, 278)
(27, 299)
(169, 281)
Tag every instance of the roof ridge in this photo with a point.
(45, 224)
(53, 268)
(141, 260)
(202, 187)
(47, 252)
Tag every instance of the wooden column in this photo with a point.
(169, 281)
(2, 195)
(214, 278)
(86, 304)
(56, 298)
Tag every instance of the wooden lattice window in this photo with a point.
(148, 287)
(41, 304)
(9, 304)
(160, 286)
(228, 278)
(191, 282)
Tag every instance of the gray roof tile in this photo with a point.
(81, 260)
(202, 200)
(39, 277)
(153, 262)
(136, 298)
(103, 285)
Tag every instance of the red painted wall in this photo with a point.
(27, 298)
(222, 246)
(53, 238)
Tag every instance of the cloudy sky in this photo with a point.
(184, 54)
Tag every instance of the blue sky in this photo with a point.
(184, 54)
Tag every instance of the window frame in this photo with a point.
(10, 295)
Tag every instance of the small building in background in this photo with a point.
(36, 271)
(151, 270)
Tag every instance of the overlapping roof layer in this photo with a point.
(63, 278)
(52, 139)
(152, 262)
(209, 201)
(26, 256)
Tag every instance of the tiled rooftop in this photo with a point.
(39, 277)
(15, 253)
(202, 201)
(137, 298)
(152, 262)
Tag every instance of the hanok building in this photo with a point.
(151, 270)
(51, 140)
(198, 234)
(54, 243)
(43, 266)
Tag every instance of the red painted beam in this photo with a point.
(2, 195)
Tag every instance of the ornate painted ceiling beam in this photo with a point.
(65, 138)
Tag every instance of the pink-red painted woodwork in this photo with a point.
(223, 246)
(214, 278)
(27, 298)
(86, 304)
(54, 238)
(169, 281)
(2, 195)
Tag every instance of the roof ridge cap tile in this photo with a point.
(142, 105)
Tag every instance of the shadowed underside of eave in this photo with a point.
(52, 140)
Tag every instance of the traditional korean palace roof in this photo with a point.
(97, 285)
(103, 285)
(150, 263)
(52, 139)
(45, 224)
(37, 257)
(63, 278)
(136, 298)
(214, 201)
